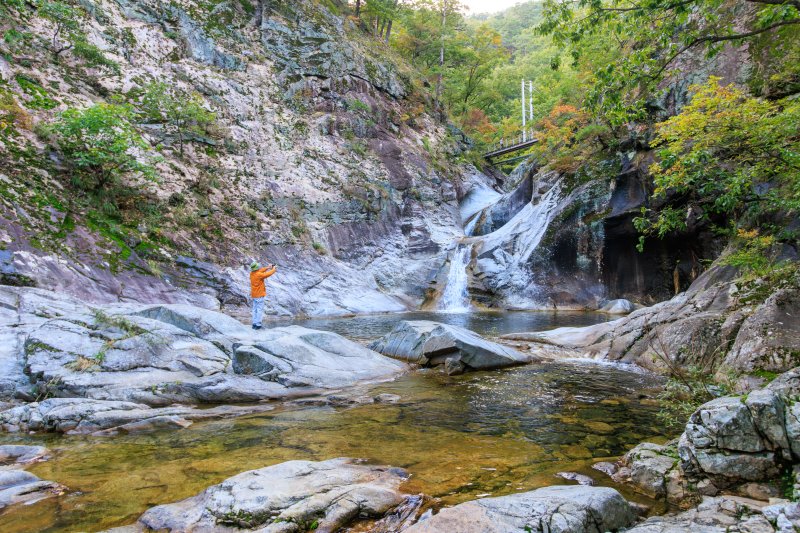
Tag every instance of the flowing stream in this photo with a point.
(460, 437)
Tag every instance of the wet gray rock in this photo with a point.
(289, 497)
(565, 509)
(431, 343)
(18, 486)
(719, 515)
(21, 454)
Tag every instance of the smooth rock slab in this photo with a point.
(558, 509)
(107, 417)
(285, 498)
(55, 346)
(18, 486)
(431, 343)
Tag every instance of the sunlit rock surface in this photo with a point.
(125, 359)
(564, 509)
(290, 497)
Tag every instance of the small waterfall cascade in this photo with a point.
(455, 297)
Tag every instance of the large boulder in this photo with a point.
(730, 440)
(431, 343)
(562, 509)
(290, 497)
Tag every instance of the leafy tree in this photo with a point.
(183, 114)
(99, 145)
(727, 154)
(66, 24)
(474, 55)
(653, 34)
(68, 35)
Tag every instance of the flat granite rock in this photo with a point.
(290, 497)
(431, 343)
(557, 509)
(157, 356)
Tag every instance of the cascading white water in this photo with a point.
(505, 270)
(455, 297)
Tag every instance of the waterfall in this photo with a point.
(455, 297)
(507, 251)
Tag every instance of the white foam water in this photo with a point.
(455, 297)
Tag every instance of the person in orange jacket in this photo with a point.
(258, 291)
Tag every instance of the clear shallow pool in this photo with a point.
(482, 433)
(370, 327)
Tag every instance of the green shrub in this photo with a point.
(98, 146)
(183, 114)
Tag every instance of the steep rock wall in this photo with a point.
(326, 162)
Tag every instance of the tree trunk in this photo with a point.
(388, 31)
(259, 14)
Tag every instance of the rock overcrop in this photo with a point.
(97, 367)
(429, 343)
(290, 497)
(713, 321)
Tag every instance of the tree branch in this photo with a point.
(719, 39)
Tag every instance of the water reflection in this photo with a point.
(482, 433)
(370, 327)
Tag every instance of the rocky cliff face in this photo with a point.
(325, 162)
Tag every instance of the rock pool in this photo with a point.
(460, 437)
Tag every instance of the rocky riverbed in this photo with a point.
(458, 447)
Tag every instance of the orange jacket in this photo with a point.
(257, 288)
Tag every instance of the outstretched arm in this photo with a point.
(267, 272)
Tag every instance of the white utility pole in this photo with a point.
(523, 111)
(530, 102)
